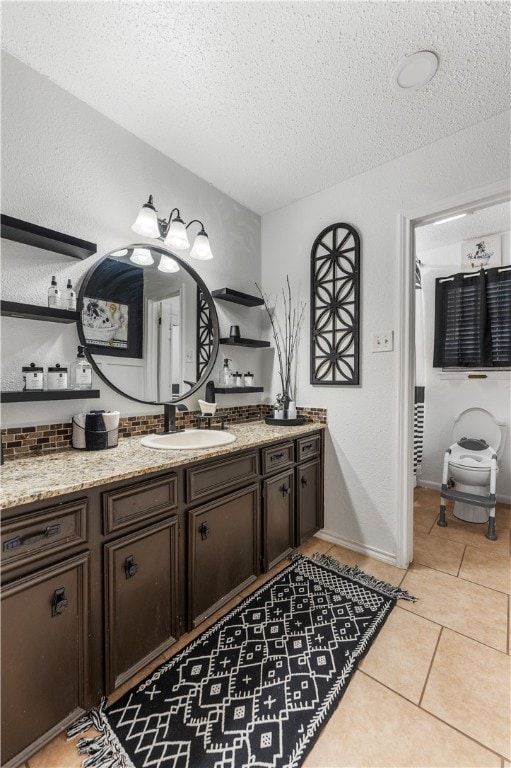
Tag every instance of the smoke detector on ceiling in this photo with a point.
(414, 71)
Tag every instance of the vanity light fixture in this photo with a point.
(172, 231)
(142, 257)
(167, 264)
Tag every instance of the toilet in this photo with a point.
(471, 463)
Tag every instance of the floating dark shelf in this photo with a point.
(58, 394)
(48, 239)
(35, 312)
(237, 390)
(241, 342)
(236, 297)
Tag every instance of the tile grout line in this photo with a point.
(435, 717)
(426, 680)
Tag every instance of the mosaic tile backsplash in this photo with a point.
(29, 441)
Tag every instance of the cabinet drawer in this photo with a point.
(219, 475)
(277, 456)
(308, 446)
(30, 537)
(140, 501)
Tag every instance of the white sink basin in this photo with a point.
(190, 438)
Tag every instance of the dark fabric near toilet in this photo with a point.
(259, 685)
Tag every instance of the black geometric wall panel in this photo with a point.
(335, 310)
(204, 333)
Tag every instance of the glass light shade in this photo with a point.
(176, 236)
(142, 257)
(167, 264)
(146, 223)
(201, 249)
(119, 254)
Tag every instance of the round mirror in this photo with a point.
(148, 324)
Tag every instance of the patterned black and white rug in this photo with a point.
(256, 688)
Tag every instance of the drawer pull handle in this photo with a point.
(304, 482)
(130, 567)
(23, 541)
(286, 490)
(205, 530)
(276, 456)
(307, 447)
(59, 602)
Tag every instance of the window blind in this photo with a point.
(473, 319)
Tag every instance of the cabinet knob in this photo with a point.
(304, 482)
(205, 530)
(286, 490)
(59, 602)
(130, 567)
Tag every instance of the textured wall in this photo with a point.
(66, 167)
(362, 450)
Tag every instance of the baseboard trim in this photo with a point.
(363, 549)
(436, 487)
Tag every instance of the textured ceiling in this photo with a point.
(485, 221)
(271, 101)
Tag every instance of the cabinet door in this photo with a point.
(309, 508)
(278, 518)
(141, 573)
(44, 655)
(223, 550)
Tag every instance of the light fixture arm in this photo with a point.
(197, 221)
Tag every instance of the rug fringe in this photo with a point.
(104, 750)
(355, 573)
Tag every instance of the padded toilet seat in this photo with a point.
(465, 459)
(478, 424)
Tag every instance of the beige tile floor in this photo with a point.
(434, 689)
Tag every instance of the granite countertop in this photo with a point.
(29, 479)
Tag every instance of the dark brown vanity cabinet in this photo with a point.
(141, 581)
(44, 655)
(223, 550)
(309, 487)
(97, 584)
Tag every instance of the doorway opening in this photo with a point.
(488, 209)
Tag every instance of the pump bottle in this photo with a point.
(225, 374)
(81, 372)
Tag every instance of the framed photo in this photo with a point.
(112, 312)
(481, 253)
(105, 323)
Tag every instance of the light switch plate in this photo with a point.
(383, 342)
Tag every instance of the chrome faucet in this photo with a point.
(169, 418)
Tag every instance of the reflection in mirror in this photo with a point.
(148, 324)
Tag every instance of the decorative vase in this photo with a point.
(291, 410)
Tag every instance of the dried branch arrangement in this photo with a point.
(286, 334)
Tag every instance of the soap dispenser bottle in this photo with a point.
(225, 374)
(54, 296)
(81, 372)
(70, 297)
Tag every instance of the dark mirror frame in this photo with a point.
(206, 297)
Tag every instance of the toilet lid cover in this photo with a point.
(479, 424)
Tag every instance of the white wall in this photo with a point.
(66, 167)
(448, 394)
(362, 448)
